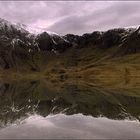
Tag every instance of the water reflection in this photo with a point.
(18, 100)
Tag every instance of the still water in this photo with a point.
(34, 109)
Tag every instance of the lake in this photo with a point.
(56, 110)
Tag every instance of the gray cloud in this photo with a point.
(119, 14)
(75, 17)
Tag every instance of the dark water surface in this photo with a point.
(34, 109)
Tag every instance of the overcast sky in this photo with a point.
(72, 17)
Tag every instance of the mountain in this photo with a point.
(25, 49)
(17, 44)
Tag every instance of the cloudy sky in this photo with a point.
(76, 17)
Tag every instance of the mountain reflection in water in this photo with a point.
(101, 108)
